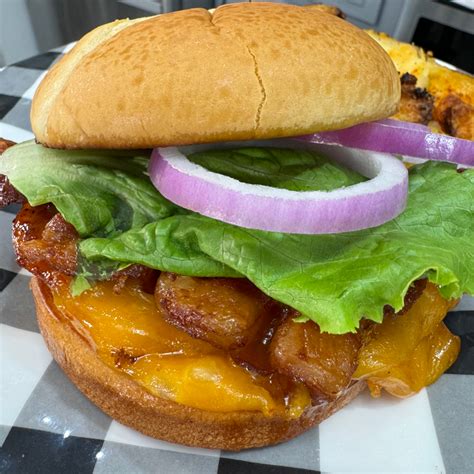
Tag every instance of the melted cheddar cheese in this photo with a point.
(129, 333)
(410, 351)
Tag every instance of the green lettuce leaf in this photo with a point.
(279, 168)
(333, 279)
(99, 193)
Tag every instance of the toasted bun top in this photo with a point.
(244, 71)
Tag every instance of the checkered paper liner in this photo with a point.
(47, 425)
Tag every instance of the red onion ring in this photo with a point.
(400, 138)
(356, 207)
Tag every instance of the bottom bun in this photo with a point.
(131, 404)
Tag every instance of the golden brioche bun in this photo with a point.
(129, 403)
(242, 71)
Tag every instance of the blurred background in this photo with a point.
(30, 27)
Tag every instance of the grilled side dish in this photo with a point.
(431, 94)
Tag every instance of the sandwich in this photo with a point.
(226, 245)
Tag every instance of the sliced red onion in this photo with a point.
(356, 207)
(401, 138)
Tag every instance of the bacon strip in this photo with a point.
(46, 245)
(227, 312)
(8, 194)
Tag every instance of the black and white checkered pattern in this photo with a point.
(47, 425)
